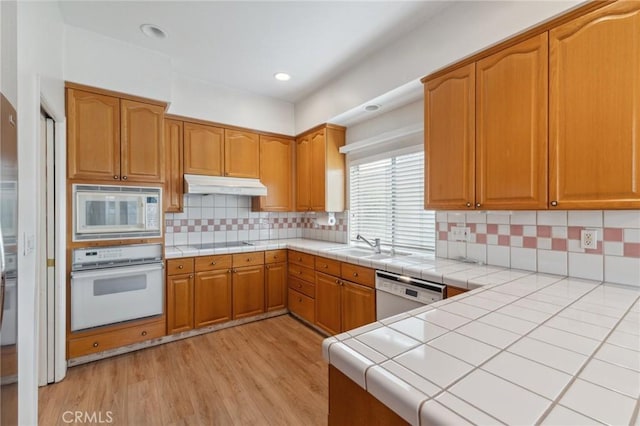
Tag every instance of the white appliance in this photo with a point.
(202, 184)
(106, 212)
(114, 284)
(398, 293)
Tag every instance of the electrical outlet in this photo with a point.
(460, 233)
(589, 239)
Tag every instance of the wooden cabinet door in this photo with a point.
(358, 305)
(174, 186)
(454, 291)
(449, 132)
(142, 142)
(203, 149)
(303, 173)
(179, 303)
(511, 127)
(248, 291)
(93, 136)
(328, 306)
(276, 158)
(318, 170)
(241, 154)
(212, 297)
(275, 284)
(594, 103)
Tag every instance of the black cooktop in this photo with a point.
(208, 246)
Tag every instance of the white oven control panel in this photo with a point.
(95, 256)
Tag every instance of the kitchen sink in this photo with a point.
(369, 254)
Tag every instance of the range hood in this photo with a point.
(200, 184)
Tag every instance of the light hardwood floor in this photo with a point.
(269, 372)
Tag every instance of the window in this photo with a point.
(387, 202)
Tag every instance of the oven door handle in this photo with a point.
(117, 271)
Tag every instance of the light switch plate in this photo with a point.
(589, 239)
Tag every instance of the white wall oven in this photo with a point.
(107, 212)
(114, 284)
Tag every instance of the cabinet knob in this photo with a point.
(338, 282)
(299, 259)
(190, 275)
(355, 274)
(234, 270)
(228, 271)
(477, 204)
(95, 344)
(248, 259)
(275, 256)
(144, 333)
(124, 178)
(213, 263)
(325, 266)
(180, 266)
(300, 299)
(299, 285)
(116, 177)
(468, 204)
(299, 272)
(554, 203)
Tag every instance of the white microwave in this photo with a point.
(106, 212)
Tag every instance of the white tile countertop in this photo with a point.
(523, 349)
(520, 348)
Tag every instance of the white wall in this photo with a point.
(457, 32)
(8, 51)
(40, 72)
(108, 63)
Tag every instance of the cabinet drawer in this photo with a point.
(303, 287)
(210, 263)
(302, 305)
(248, 259)
(358, 274)
(297, 271)
(115, 339)
(300, 258)
(328, 266)
(275, 256)
(180, 266)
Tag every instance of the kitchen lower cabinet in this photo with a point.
(275, 285)
(212, 297)
(302, 305)
(454, 291)
(248, 291)
(342, 305)
(179, 303)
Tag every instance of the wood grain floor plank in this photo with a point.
(269, 372)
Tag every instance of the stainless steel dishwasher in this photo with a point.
(398, 293)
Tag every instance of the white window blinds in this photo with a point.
(387, 202)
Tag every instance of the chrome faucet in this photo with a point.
(376, 247)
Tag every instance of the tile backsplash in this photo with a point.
(223, 218)
(548, 241)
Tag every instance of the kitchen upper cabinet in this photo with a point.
(449, 129)
(276, 165)
(511, 127)
(142, 142)
(595, 110)
(320, 170)
(203, 149)
(93, 136)
(111, 138)
(241, 154)
(174, 185)
(212, 297)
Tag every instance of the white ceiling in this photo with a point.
(241, 44)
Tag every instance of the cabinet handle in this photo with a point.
(213, 263)
(95, 344)
(325, 266)
(124, 178)
(477, 204)
(228, 271)
(190, 275)
(144, 333)
(554, 203)
(299, 272)
(468, 204)
(234, 270)
(355, 274)
(248, 259)
(338, 282)
(116, 177)
(180, 266)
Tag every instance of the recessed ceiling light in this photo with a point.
(371, 107)
(153, 31)
(282, 76)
